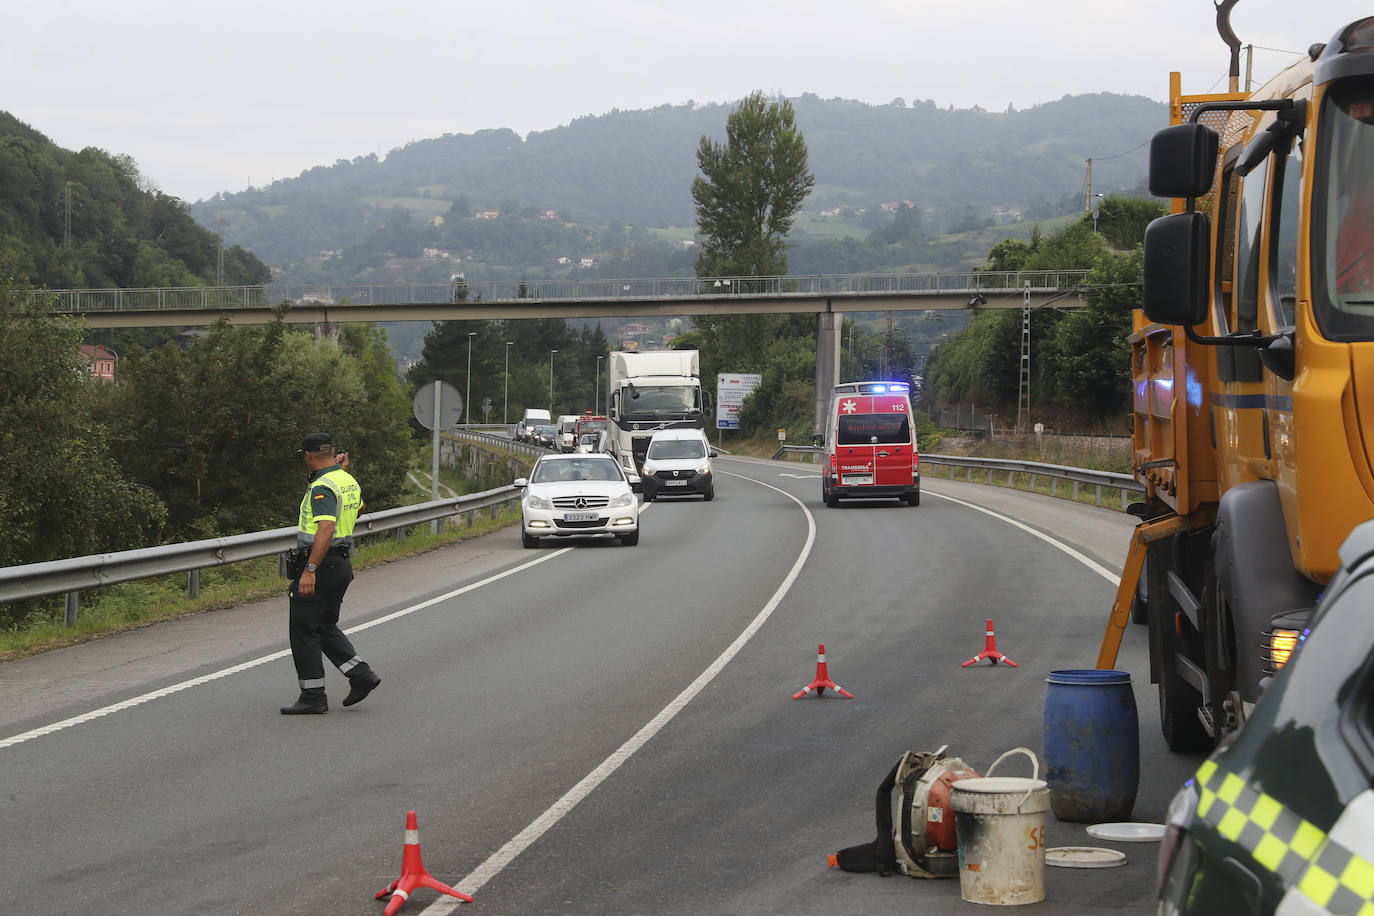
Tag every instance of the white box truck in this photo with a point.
(651, 390)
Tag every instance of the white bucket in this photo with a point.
(1001, 827)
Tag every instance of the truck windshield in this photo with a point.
(660, 402)
(864, 428)
(1343, 217)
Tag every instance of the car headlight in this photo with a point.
(1176, 821)
(538, 502)
(619, 502)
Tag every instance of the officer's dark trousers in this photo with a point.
(315, 623)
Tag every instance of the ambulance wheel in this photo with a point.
(913, 498)
(831, 499)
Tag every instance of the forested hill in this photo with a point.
(83, 220)
(635, 168)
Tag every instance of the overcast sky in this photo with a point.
(210, 98)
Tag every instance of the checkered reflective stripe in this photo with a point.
(1300, 853)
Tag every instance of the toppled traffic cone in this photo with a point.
(989, 651)
(822, 680)
(413, 873)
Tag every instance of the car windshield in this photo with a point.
(866, 428)
(664, 449)
(575, 469)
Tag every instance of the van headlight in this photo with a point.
(538, 502)
(624, 499)
(703, 468)
(648, 469)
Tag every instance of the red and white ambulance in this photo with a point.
(870, 444)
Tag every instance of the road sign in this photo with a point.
(450, 406)
(731, 390)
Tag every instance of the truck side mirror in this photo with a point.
(1183, 160)
(1176, 262)
(611, 409)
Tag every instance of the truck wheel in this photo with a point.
(1178, 706)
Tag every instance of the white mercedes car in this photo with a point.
(576, 494)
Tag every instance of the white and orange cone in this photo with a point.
(413, 873)
(822, 680)
(989, 651)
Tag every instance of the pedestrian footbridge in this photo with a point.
(625, 298)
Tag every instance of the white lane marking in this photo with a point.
(542, 824)
(801, 476)
(216, 675)
(1087, 561)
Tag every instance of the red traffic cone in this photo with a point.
(413, 873)
(989, 651)
(822, 680)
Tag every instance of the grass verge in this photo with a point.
(131, 605)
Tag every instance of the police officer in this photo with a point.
(324, 542)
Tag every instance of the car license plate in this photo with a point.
(579, 516)
(855, 480)
(675, 483)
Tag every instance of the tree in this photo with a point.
(750, 190)
(213, 426)
(60, 495)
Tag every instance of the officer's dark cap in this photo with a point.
(316, 442)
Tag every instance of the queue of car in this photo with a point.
(586, 492)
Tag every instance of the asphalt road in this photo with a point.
(581, 729)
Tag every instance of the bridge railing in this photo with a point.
(670, 288)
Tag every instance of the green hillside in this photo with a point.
(85, 220)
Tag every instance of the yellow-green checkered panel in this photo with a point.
(1297, 851)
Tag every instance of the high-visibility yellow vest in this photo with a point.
(349, 499)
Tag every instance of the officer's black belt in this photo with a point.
(341, 551)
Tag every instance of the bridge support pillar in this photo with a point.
(828, 326)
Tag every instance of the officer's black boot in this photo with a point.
(362, 680)
(312, 701)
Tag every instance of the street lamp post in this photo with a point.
(505, 401)
(467, 407)
(597, 401)
(551, 353)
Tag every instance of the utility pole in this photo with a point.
(219, 230)
(1088, 190)
(1023, 386)
(67, 216)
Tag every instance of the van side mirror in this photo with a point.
(817, 441)
(1183, 160)
(1176, 261)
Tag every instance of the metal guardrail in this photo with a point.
(54, 577)
(1054, 472)
(488, 291)
(76, 574)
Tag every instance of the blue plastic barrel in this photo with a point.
(1092, 745)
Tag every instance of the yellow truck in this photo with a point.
(1253, 371)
